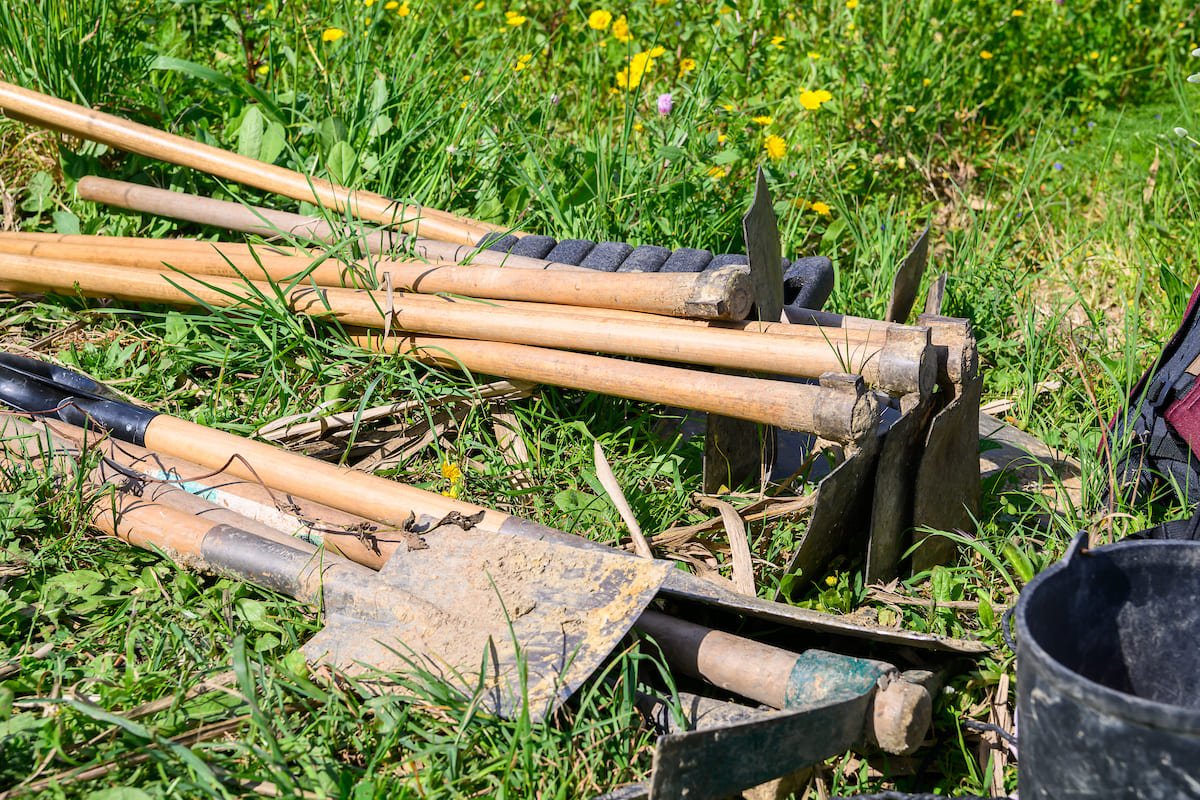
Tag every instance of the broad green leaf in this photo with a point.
(273, 142)
(41, 193)
(250, 133)
(65, 222)
(341, 162)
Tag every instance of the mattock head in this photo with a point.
(736, 451)
(761, 231)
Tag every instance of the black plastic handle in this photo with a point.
(44, 389)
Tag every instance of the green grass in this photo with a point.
(1039, 146)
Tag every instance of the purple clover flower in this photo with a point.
(665, 104)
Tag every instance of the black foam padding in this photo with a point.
(533, 246)
(687, 259)
(606, 256)
(496, 241)
(645, 258)
(808, 282)
(728, 259)
(571, 251)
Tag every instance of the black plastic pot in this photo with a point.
(1108, 673)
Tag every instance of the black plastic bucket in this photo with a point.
(1108, 673)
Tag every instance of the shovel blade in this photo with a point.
(514, 624)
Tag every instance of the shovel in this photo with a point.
(516, 624)
(41, 388)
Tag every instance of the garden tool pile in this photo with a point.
(399, 572)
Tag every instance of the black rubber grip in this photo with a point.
(607, 256)
(37, 387)
(533, 246)
(808, 282)
(645, 258)
(571, 251)
(687, 259)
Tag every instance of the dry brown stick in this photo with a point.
(739, 544)
(609, 481)
(48, 112)
(778, 507)
(301, 426)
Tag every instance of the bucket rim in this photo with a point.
(1138, 709)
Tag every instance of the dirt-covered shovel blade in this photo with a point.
(539, 617)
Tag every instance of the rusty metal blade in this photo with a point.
(907, 282)
(512, 625)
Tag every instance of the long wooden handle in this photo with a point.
(34, 107)
(468, 319)
(836, 415)
(268, 222)
(716, 294)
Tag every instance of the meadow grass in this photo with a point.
(1035, 138)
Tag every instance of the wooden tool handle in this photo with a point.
(267, 222)
(465, 319)
(39, 109)
(717, 294)
(793, 406)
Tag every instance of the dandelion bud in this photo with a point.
(1181, 132)
(1194, 78)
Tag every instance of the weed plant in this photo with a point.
(1034, 137)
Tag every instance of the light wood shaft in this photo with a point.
(268, 222)
(757, 671)
(798, 407)
(774, 354)
(718, 294)
(28, 106)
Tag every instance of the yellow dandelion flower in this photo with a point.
(466, 77)
(1094, 55)
(728, 107)
(820, 208)
(910, 109)
(813, 56)
(823, 96)
(263, 69)
(623, 79)
(851, 4)
(810, 100)
(763, 120)
(332, 34)
(1018, 12)
(391, 6)
(686, 65)
(403, 10)
(724, 10)
(513, 19)
(451, 471)
(831, 580)
(716, 173)
(721, 138)
(657, 51)
(598, 20)
(925, 82)
(775, 146)
(479, 5)
(985, 54)
(620, 29)
(639, 126)
(368, 3)
(778, 41)
(452, 492)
